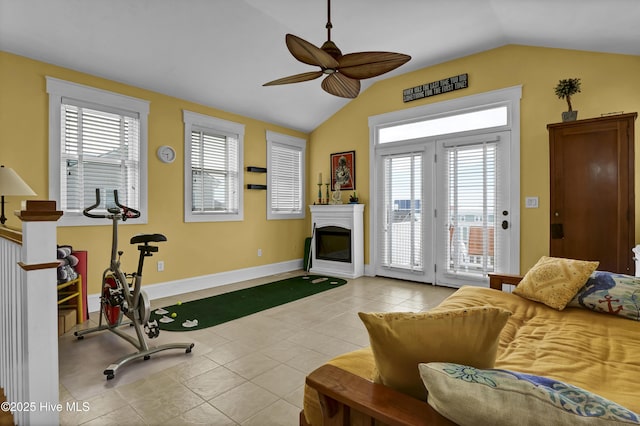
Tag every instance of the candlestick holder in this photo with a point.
(327, 185)
(320, 193)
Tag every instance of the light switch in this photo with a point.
(531, 202)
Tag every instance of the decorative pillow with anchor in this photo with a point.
(610, 293)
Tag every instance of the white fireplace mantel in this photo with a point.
(348, 216)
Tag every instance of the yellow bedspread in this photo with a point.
(594, 351)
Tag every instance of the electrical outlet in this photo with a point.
(160, 265)
(259, 252)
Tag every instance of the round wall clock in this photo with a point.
(166, 154)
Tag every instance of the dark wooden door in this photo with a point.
(592, 191)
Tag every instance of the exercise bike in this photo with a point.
(120, 298)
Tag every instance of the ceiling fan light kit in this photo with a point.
(343, 72)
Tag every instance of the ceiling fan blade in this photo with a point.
(297, 78)
(370, 64)
(306, 52)
(340, 85)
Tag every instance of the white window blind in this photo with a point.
(286, 179)
(214, 169)
(285, 176)
(100, 149)
(472, 217)
(402, 197)
(97, 139)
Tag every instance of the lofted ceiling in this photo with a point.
(219, 52)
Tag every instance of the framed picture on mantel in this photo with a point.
(343, 170)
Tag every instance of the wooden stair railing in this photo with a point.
(6, 419)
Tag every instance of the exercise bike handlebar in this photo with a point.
(124, 211)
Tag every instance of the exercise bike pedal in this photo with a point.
(109, 373)
(152, 329)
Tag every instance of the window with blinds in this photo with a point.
(99, 150)
(214, 173)
(213, 169)
(97, 140)
(471, 209)
(285, 176)
(402, 209)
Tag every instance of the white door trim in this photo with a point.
(509, 96)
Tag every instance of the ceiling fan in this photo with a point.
(343, 72)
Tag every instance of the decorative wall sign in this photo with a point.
(343, 170)
(436, 88)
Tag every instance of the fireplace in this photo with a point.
(333, 243)
(338, 241)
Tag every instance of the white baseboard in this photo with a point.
(187, 285)
(369, 270)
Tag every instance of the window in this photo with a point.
(97, 140)
(285, 176)
(213, 169)
(461, 122)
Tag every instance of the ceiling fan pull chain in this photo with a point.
(329, 26)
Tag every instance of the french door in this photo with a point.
(473, 220)
(444, 210)
(404, 225)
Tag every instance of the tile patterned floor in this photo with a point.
(245, 372)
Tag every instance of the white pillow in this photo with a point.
(470, 396)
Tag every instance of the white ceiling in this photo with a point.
(220, 52)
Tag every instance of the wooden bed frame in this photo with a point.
(347, 399)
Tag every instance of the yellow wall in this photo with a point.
(609, 84)
(193, 249)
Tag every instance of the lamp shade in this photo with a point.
(12, 184)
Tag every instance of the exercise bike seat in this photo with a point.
(147, 238)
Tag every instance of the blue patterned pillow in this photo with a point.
(469, 396)
(615, 294)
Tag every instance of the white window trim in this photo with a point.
(192, 119)
(298, 143)
(59, 89)
(509, 96)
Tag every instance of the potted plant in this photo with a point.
(564, 90)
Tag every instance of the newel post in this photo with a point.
(39, 278)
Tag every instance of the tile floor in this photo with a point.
(245, 372)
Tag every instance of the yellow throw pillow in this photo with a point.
(554, 281)
(402, 340)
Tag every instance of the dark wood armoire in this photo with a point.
(592, 191)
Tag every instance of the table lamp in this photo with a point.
(11, 184)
